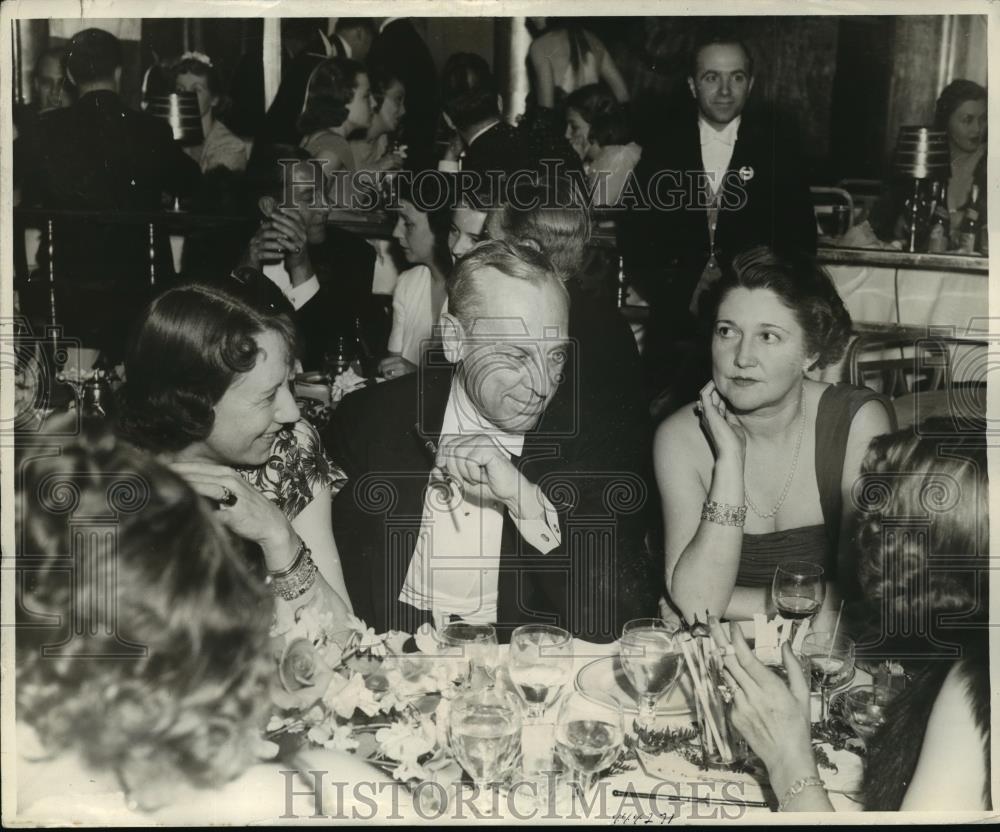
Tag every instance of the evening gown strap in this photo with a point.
(819, 543)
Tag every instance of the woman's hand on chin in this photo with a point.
(244, 510)
(723, 428)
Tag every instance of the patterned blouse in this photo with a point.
(296, 470)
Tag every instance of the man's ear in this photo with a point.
(70, 78)
(452, 336)
(750, 85)
(449, 122)
(692, 87)
(118, 78)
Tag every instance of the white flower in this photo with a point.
(354, 696)
(427, 641)
(368, 640)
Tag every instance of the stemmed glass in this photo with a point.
(484, 732)
(474, 650)
(590, 730)
(798, 589)
(652, 659)
(540, 663)
(831, 657)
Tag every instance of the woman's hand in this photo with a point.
(394, 366)
(252, 516)
(772, 717)
(724, 429)
(392, 160)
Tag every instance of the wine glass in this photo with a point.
(798, 589)
(652, 659)
(540, 663)
(484, 732)
(474, 650)
(590, 731)
(864, 707)
(831, 657)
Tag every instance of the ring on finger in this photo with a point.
(228, 498)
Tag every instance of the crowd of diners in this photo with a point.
(507, 376)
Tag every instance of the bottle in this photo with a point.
(968, 231)
(337, 358)
(938, 235)
(366, 359)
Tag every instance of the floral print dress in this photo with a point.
(296, 470)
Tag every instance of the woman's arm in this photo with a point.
(608, 70)
(702, 557)
(951, 769)
(313, 525)
(545, 91)
(870, 421)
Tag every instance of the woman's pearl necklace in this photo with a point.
(791, 474)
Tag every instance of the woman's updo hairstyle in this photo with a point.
(608, 120)
(803, 286)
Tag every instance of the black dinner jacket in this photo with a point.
(502, 147)
(599, 577)
(666, 250)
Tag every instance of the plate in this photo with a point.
(607, 676)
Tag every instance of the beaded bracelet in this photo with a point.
(796, 788)
(723, 514)
(297, 579)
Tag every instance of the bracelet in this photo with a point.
(297, 579)
(797, 787)
(723, 514)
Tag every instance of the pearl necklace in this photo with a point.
(788, 480)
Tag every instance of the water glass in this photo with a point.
(832, 660)
(590, 731)
(652, 660)
(474, 651)
(484, 732)
(540, 663)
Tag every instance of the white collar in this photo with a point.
(727, 135)
(478, 133)
(386, 22)
(462, 417)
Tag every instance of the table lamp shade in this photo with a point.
(180, 111)
(922, 153)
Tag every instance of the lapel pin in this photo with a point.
(746, 173)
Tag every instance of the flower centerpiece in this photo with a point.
(359, 692)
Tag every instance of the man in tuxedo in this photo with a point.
(466, 498)
(482, 140)
(98, 155)
(400, 49)
(721, 180)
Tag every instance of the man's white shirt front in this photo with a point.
(455, 565)
(717, 149)
(299, 295)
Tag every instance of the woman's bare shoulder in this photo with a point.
(681, 435)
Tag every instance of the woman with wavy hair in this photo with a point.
(221, 148)
(760, 469)
(338, 103)
(924, 542)
(142, 656)
(209, 391)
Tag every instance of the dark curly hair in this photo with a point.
(954, 96)
(189, 346)
(329, 92)
(924, 531)
(382, 77)
(141, 645)
(468, 90)
(194, 66)
(803, 286)
(608, 120)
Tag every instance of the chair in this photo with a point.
(834, 209)
(916, 369)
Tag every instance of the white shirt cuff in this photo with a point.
(449, 165)
(541, 531)
(303, 293)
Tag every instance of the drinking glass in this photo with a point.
(652, 660)
(590, 730)
(832, 660)
(474, 650)
(540, 663)
(484, 731)
(864, 707)
(798, 589)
